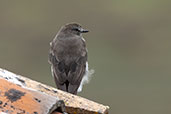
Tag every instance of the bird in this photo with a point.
(68, 58)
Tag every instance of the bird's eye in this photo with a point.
(76, 29)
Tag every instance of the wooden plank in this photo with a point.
(74, 104)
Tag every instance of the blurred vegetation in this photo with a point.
(129, 48)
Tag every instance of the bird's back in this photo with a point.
(69, 49)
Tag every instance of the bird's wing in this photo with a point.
(75, 77)
(77, 71)
(57, 69)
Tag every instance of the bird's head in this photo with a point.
(74, 29)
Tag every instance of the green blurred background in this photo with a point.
(129, 47)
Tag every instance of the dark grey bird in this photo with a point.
(68, 58)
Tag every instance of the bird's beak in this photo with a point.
(83, 30)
